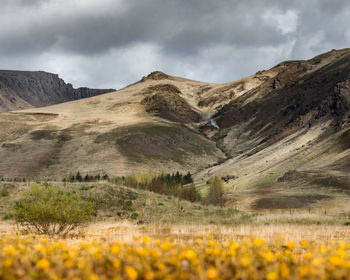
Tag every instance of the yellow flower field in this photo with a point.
(146, 258)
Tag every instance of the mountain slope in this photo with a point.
(297, 122)
(115, 133)
(308, 100)
(294, 117)
(24, 89)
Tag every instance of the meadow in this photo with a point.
(138, 234)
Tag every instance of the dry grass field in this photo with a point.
(175, 239)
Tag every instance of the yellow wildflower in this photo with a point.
(115, 249)
(131, 272)
(146, 239)
(8, 262)
(285, 272)
(212, 273)
(43, 264)
(258, 242)
(189, 254)
(10, 250)
(165, 246)
(290, 245)
(94, 277)
(245, 261)
(117, 264)
(269, 256)
(335, 260)
(303, 271)
(304, 244)
(272, 275)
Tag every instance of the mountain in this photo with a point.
(24, 89)
(303, 104)
(152, 124)
(280, 137)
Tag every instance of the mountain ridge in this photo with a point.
(26, 89)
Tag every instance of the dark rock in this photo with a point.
(228, 178)
(24, 89)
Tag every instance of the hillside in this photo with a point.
(24, 89)
(287, 126)
(148, 125)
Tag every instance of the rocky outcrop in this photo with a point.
(156, 75)
(165, 101)
(24, 89)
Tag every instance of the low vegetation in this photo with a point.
(86, 178)
(175, 184)
(202, 249)
(45, 209)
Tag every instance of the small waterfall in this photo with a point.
(212, 122)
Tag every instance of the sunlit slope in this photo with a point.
(114, 133)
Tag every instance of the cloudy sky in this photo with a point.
(112, 43)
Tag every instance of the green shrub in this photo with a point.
(7, 217)
(45, 209)
(347, 224)
(4, 193)
(134, 216)
(86, 188)
(133, 197)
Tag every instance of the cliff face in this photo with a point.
(24, 89)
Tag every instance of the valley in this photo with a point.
(292, 118)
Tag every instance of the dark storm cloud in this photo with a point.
(124, 38)
(178, 25)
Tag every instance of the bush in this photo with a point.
(190, 193)
(134, 215)
(4, 193)
(45, 209)
(86, 188)
(216, 191)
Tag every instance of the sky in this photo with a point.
(112, 43)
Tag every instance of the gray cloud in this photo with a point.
(110, 43)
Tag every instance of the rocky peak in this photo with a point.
(156, 75)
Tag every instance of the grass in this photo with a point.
(159, 142)
(117, 204)
(203, 188)
(269, 178)
(86, 188)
